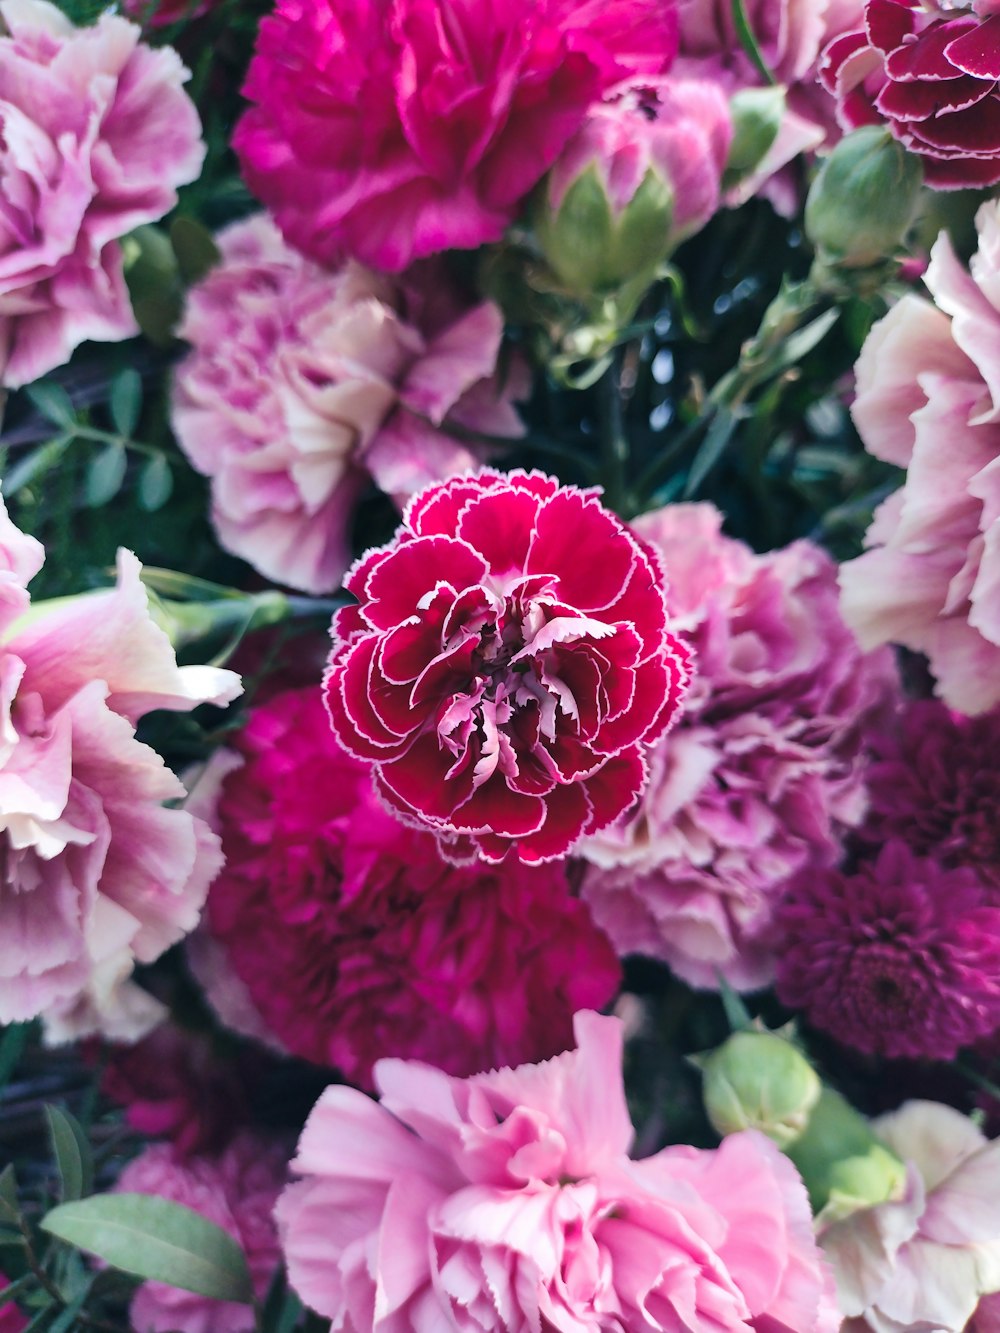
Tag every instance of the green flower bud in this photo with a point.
(843, 1164)
(757, 114)
(758, 1080)
(863, 200)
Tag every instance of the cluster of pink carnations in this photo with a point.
(564, 750)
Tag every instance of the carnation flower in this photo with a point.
(928, 399)
(507, 660)
(354, 940)
(389, 132)
(924, 1261)
(236, 1189)
(930, 75)
(936, 785)
(96, 134)
(99, 874)
(900, 958)
(508, 1201)
(303, 385)
(763, 772)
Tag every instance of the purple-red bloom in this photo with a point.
(236, 1189)
(304, 385)
(96, 134)
(900, 958)
(508, 1201)
(507, 661)
(931, 76)
(355, 940)
(392, 129)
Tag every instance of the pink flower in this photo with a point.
(389, 131)
(763, 772)
(355, 940)
(507, 1201)
(899, 958)
(925, 1260)
(96, 134)
(508, 658)
(929, 400)
(97, 873)
(929, 75)
(303, 385)
(236, 1189)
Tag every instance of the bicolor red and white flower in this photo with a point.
(507, 661)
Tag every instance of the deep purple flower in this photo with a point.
(901, 958)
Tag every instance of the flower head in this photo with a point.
(354, 940)
(900, 958)
(393, 129)
(96, 134)
(508, 658)
(507, 1200)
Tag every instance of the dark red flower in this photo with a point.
(931, 77)
(508, 659)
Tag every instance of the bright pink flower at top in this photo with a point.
(236, 1189)
(930, 73)
(508, 659)
(98, 873)
(925, 1261)
(928, 400)
(96, 134)
(392, 129)
(507, 1202)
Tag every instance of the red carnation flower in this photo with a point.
(931, 77)
(507, 661)
(901, 958)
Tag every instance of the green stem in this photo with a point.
(614, 441)
(749, 42)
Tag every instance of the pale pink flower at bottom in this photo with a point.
(507, 1201)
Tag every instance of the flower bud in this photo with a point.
(758, 1080)
(843, 1164)
(641, 174)
(757, 114)
(863, 199)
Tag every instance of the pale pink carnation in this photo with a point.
(304, 385)
(391, 131)
(96, 134)
(763, 772)
(923, 1261)
(929, 401)
(508, 1201)
(236, 1189)
(98, 873)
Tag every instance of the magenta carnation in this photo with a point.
(899, 958)
(355, 940)
(96, 134)
(304, 385)
(507, 1201)
(236, 1189)
(508, 658)
(103, 874)
(763, 772)
(392, 129)
(928, 400)
(931, 77)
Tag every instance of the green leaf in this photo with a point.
(156, 482)
(155, 1238)
(72, 1153)
(712, 448)
(801, 343)
(33, 465)
(53, 402)
(105, 474)
(13, 1289)
(125, 401)
(66, 1321)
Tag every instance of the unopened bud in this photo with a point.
(843, 1164)
(758, 1080)
(757, 114)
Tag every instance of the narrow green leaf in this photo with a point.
(156, 482)
(105, 474)
(53, 402)
(72, 1153)
(9, 1207)
(66, 1321)
(712, 448)
(801, 343)
(155, 1238)
(13, 1289)
(33, 465)
(42, 1319)
(125, 401)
